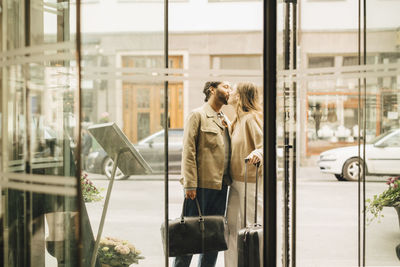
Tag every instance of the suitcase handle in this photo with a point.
(245, 192)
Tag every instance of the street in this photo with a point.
(327, 221)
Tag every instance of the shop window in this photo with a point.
(389, 57)
(35, 104)
(87, 95)
(142, 61)
(390, 110)
(332, 121)
(321, 62)
(216, 1)
(326, 0)
(86, 1)
(151, 1)
(143, 98)
(353, 60)
(246, 62)
(350, 61)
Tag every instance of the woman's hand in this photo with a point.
(255, 156)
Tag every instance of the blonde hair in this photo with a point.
(248, 101)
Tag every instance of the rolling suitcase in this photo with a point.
(250, 238)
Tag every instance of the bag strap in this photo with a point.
(198, 209)
(245, 192)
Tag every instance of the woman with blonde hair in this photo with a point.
(246, 142)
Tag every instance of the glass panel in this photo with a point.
(322, 95)
(320, 62)
(227, 50)
(39, 219)
(123, 52)
(235, 61)
(382, 132)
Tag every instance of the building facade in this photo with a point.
(67, 66)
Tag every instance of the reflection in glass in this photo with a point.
(40, 215)
(121, 64)
(229, 49)
(382, 121)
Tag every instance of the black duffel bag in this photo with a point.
(194, 235)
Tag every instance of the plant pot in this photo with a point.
(397, 208)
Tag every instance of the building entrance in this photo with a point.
(143, 107)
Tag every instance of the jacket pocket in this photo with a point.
(210, 136)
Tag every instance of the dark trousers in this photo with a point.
(212, 202)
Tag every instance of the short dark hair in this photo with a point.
(207, 86)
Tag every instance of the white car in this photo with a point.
(382, 157)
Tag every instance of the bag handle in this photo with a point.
(245, 192)
(198, 209)
(201, 219)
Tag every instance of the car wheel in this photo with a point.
(350, 169)
(108, 167)
(340, 177)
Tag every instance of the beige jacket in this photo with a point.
(246, 136)
(203, 149)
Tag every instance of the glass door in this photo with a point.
(123, 75)
(337, 101)
(41, 212)
(225, 50)
(381, 90)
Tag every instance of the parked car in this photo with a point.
(382, 157)
(152, 150)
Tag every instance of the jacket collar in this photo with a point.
(211, 113)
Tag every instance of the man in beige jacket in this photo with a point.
(205, 161)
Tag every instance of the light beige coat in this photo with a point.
(203, 149)
(246, 136)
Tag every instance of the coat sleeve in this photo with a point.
(189, 153)
(254, 133)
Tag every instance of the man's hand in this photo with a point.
(191, 194)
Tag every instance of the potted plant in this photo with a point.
(388, 198)
(116, 252)
(90, 192)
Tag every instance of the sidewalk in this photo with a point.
(326, 220)
(136, 212)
